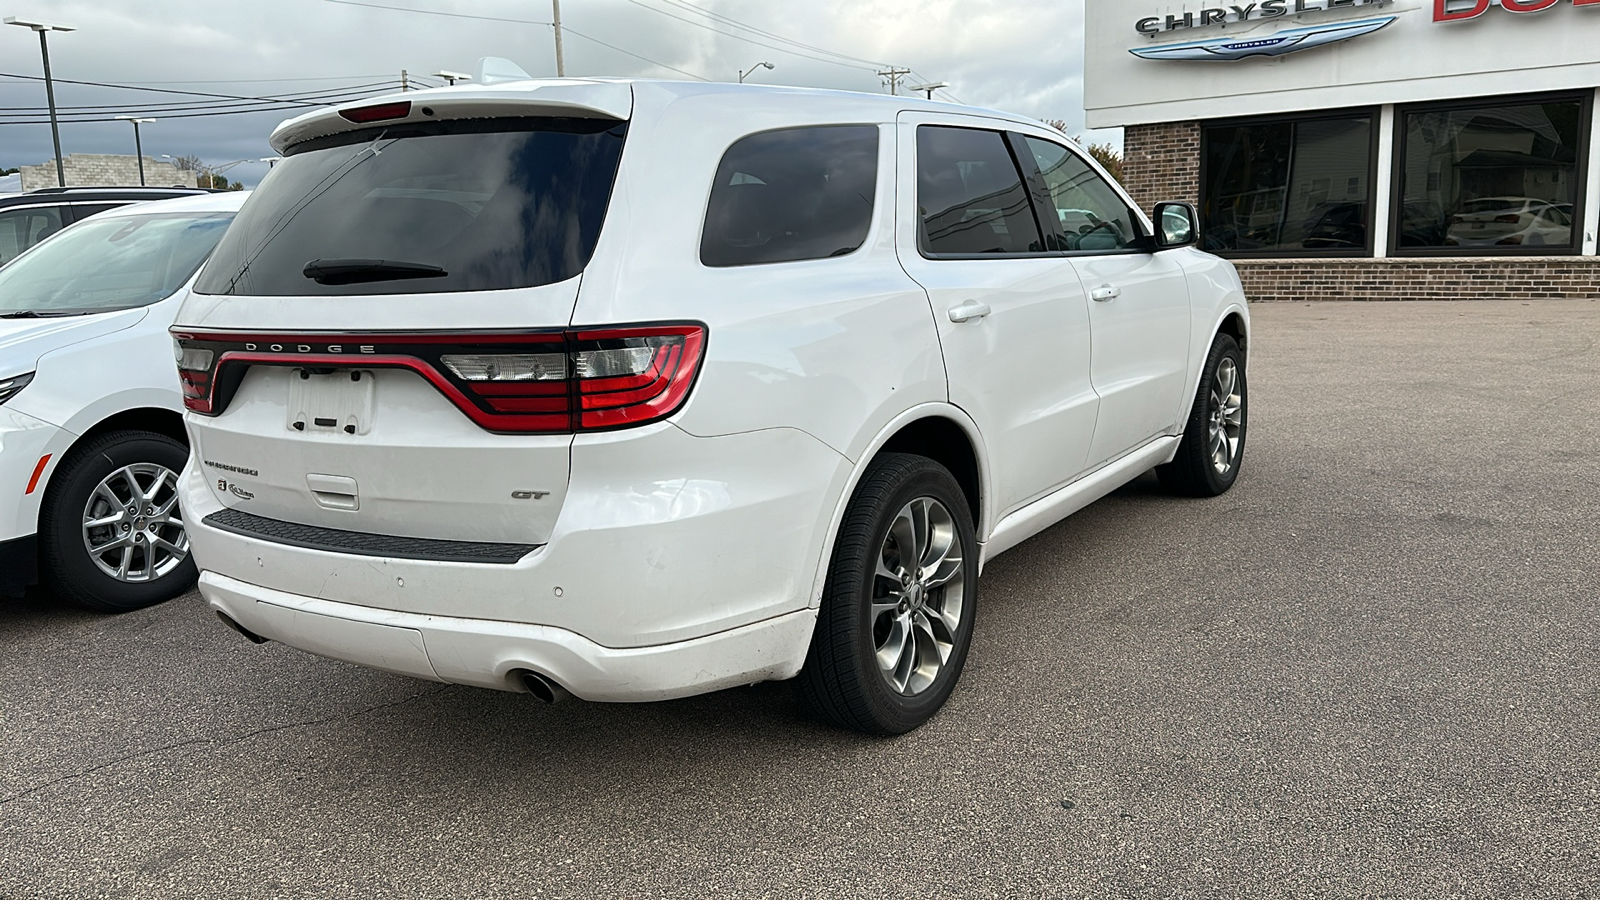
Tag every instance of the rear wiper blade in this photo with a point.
(360, 271)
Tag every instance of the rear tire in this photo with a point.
(1212, 451)
(141, 535)
(899, 602)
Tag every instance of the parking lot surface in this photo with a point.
(1368, 671)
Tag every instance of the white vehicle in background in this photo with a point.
(638, 389)
(1511, 222)
(91, 434)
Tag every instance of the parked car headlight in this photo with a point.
(10, 386)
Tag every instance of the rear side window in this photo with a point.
(472, 205)
(799, 193)
(970, 195)
(22, 228)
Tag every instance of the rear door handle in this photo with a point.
(968, 311)
(1105, 292)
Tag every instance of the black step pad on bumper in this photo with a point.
(332, 540)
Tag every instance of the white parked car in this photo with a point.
(641, 389)
(91, 428)
(1511, 222)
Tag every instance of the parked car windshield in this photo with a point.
(111, 263)
(472, 205)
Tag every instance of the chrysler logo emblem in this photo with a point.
(1287, 41)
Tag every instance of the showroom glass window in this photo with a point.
(1492, 177)
(1288, 187)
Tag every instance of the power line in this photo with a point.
(129, 87)
(570, 30)
(177, 106)
(567, 29)
(435, 12)
(748, 40)
(729, 20)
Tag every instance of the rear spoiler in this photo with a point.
(567, 97)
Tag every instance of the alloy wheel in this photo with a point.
(1227, 415)
(917, 601)
(132, 528)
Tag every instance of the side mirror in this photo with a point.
(1177, 225)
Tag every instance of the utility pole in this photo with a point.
(49, 86)
(894, 75)
(138, 145)
(405, 81)
(561, 63)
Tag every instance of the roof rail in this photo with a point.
(114, 187)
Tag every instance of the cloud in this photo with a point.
(1023, 56)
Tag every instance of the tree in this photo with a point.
(1104, 154)
(188, 163)
(4, 171)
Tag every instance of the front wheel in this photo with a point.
(899, 603)
(1212, 450)
(111, 535)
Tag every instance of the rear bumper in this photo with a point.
(494, 654)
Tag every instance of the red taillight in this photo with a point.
(526, 383)
(1508, 220)
(378, 112)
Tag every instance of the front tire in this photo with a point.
(111, 536)
(898, 606)
(1212, 450)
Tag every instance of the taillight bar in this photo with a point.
(545, 382)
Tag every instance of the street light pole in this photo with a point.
(746, 73)
(49, 86)
(138, 145)
(561, 62)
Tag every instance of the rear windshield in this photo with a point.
(477, 205)
(112, 263)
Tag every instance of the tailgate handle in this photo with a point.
(334, 491)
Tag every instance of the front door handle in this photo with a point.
(1105, 292)
(968, 311)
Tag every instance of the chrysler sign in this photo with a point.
(1245, 12)
(1287, 41)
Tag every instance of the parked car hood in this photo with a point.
(24, 341)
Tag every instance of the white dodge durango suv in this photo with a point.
(639, 389)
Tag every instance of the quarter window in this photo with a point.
(1492, 178)
(1089, 214)
(22, 228)
(794, 194)
(970, 194)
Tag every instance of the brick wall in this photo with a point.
(1528, 278)
(105, 170)
(1162, 162)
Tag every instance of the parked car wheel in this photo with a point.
(899, 603)
(111, 536)
(1212, 450)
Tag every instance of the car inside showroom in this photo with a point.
(1379, 150)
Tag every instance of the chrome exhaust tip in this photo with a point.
(545, 689)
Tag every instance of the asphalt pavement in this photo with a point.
(1368, 671)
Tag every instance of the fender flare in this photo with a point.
(916, 413)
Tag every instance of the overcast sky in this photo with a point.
(1019, 55)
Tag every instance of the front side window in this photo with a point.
(1287, 187)
(795, 194)
(22, 228)
(112, 263)
(1491, 179)
(970, 194)
(1090, 216)
(468, 205)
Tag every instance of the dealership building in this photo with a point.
(1365, 149)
